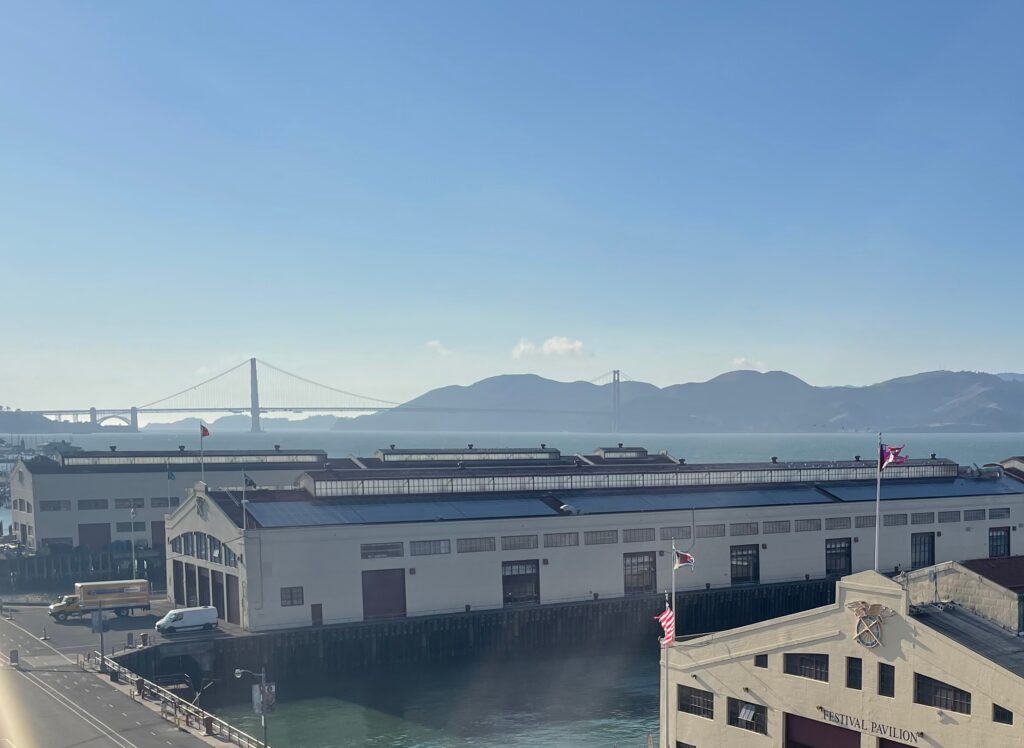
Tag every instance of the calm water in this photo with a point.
(602, 701)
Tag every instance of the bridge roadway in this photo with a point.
(50, 703)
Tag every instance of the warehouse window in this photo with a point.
(865, 520)
(381, 550)
(854, 672)
(429, 547)
(474, 545)
(776, 526)
(518, 542)
(922, 549)
(159, 502)
(710, 531)
(813, 666)
(127, 527)
(973, 515)
(951, 516)
(561, 539)
(88, 504)
(837, 523)
(753, 717)
(176, 544)
(838, 557)
(998, 542)
(922, 518)
(63, 505)
(291, 596)
(743, 528)
(931, 692)
(1002, 715)
(745, 564)
(1003, 513)
(639, 573)
(129, 503)
(886, 680)
(808, 525)
(695, 701)
(676, 533)
(639, 535)
(892, 520)
(600, 537)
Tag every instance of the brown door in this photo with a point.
(95, 536)
(204, 586)
(811, 733)
(231, 585)
(317, 611)
(178, 570)
(217, 583)
(191, 594)
(158, 533)
(384, 593)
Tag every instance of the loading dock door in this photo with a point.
(179, 583)
(95, 536)
(384, 593)
(810, 733)
(217, 583)
(231, 585)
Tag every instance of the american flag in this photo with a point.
(668, 625)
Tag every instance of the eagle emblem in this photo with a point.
(869, 621)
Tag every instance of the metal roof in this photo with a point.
(927, 489)
(1002, 647)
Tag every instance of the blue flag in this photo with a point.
(170, 475)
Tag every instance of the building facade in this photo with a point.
(87, 499)
(323, 553)
(873, 670)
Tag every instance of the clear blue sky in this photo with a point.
(394, 196)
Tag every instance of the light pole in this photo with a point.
(262, 675)
(132, 536)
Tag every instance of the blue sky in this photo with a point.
(394, 196)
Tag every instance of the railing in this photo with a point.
(173, 708)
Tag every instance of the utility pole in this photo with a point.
(254, 392)
(616, 381)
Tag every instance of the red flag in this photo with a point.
(889, 455)
(203, 431)
(683, 559)
(668, 625)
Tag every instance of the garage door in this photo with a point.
(810, 733)
(94, 536)
(384, 593)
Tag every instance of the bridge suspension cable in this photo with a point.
(279, 370)
(195, 386)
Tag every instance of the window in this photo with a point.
(561, 539)
(474, 545)
(381, 550)
(600, 537)
(175, 501)
(922, 550)
(998, 542)
(753, 717)
(640, 535)
(202, 545)
(129, 503)
(973, 515)
(159, 502)
(291, 596)
(807, 525)
(695, 701)
(1001, 715)
(745, 564)
(230, 557)
(676, 533)
(429, 547)
(1003, 513)
(838, 557)
(922, 518)
(89, 504)
(176, 544)
(64, 505)
(215, 546)
(865, 520)
(681, 744)
(854, 671)
(710, 531)
(814, 666)
(837, 523)
(761, 661)
(773, 527)
(518, 542)
(886, 680)
(743, 528)
(127, 527)
(951, 516)
(639, 573)
(520, 582)
(893, 520)
(931, 692)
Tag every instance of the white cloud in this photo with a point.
(436, 347)
(742, 362)
(559, 346)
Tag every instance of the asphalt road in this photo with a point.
(49, 703)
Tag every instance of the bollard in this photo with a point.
(44, 637)
(208, 725)
(140, 687)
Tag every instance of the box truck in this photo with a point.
(120, 596)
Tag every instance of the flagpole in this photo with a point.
(202, 455)
(674, 584)
(664, 658)
(167, 465)
(878, 498)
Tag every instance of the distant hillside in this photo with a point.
(244, 423)
(736, 402)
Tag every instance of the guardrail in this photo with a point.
(173, 708)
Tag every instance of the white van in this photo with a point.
(188, 619)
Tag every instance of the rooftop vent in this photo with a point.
(113, 448)
(775, 460)
(181, 447)
(277, 447)
(856, 458)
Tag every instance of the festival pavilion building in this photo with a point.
(933, 658)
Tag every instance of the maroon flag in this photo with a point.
(889, 455)
(682, 559)
(203, 431)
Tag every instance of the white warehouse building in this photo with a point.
(420, 532)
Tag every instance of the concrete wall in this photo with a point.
(326, 561)
(724, 664)
(958, 584)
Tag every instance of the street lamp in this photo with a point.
(262, 675)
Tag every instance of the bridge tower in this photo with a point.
(616, 381)
(254, 393)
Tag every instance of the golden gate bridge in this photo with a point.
(229, 393)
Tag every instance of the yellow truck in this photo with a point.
(120, 596)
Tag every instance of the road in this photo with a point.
(50, 703)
